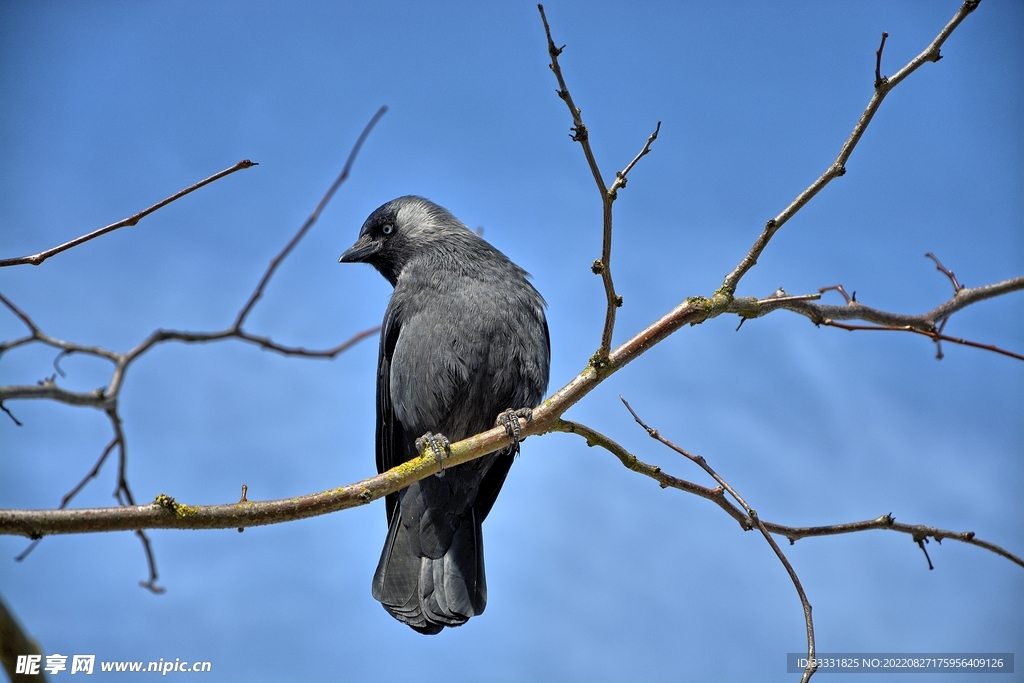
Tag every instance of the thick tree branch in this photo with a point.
(546, 418)
(36, 259)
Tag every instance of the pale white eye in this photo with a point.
(387, 229)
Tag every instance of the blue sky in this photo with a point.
(594, 573)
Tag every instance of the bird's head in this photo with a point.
(399, 231)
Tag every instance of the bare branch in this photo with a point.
(620, 176)
(150, 583)
(91, 474)
(791, 533)
(106, 398)
(715, 495)
(258, 292)
(10, 414)
(934, 336)
(888, 522)
(167, 513)
(929, 324)
(13, 642)
(945, 271)
(838, 167)
(879, 79)
(160, 336)
(49, 391)
(38, 335)
(36, 259)
(21, 315)
(581, 135)
(703, 464)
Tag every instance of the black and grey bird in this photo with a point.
(464, 343)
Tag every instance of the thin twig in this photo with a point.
(792, 534)
(945, 271)
(21, 315)
(91, 474)
(114, 442)
(715, 495)
(842, 291)
(620, 176)
(934, 336)
(258, 292)
(36, 259)
(580, 132)
(10, 414)
(879, 78)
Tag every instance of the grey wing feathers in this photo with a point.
(389, 434)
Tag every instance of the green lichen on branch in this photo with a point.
(746, 307)
(180, 510)
(601, 363)
(702, 305)
(706, 308)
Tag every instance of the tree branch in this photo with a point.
(929, 324)
(106, 398)
(546, 418)
(36, 259)
(580, 134)
(791, 533)
(752, 515)
(258, 292)
(13, 642)
(882, 88)
(630, 461)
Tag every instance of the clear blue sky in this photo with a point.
(594, 573)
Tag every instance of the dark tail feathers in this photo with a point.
(430, 588)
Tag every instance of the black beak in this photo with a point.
(364, 248)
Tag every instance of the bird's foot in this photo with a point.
(509, 419)
(438, 442)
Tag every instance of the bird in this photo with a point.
(464, 346)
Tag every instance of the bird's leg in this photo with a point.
(437, 443)
(509, 419)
